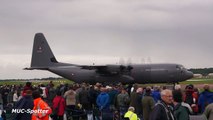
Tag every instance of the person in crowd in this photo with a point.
(123, 102)
(191, 97)
(15, 97)
(59, 105)
(177, 87)
(42, 108)
(94, 92)
(138, 108)
(51, 93)
(85, 102)
(112, 96)
(130, 114)
(25, 103)
(180, 112)
(209, 112)
(10, 97)
(43, 92)
(163, 109)
(28, 86)
(103, 103)
(64, 88)
(77, 91)
(70, 103)
(205, 98)
(1, 102)
(135, 101)
(4, 92)
(103, 99)
(156, 94)
(50, 84)
(147, 103)
(20, 96)
(134, 88)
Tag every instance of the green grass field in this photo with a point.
(64, 81)
(198, 81)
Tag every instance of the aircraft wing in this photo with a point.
(109, 69)
(122, 73)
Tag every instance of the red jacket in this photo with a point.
(61, 104)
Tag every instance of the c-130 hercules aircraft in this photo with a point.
(44, 59)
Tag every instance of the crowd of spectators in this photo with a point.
(105, 102)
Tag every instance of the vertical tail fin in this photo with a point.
(42, 56)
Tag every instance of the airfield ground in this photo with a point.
(196, 82)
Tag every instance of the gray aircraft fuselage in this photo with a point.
(43, 59)
(141, 73)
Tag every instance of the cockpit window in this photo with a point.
(180, 67)
(177, 67)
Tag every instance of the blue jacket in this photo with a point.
(156, 96)
(103, 101)
(205, 98)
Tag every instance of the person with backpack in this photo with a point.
(58, 106)
(163, 109)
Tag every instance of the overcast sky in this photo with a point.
(106, 32)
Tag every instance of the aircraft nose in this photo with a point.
(189, 74)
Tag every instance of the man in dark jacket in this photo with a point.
(162, 110)
(123, 102)
(25, 103)
(147, 103)
(85, 101)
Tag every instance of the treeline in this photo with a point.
(203, 71)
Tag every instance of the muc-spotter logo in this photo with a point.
(29, 111)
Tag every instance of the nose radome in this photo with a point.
(189, 74)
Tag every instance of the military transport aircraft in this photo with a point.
(43, 59)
